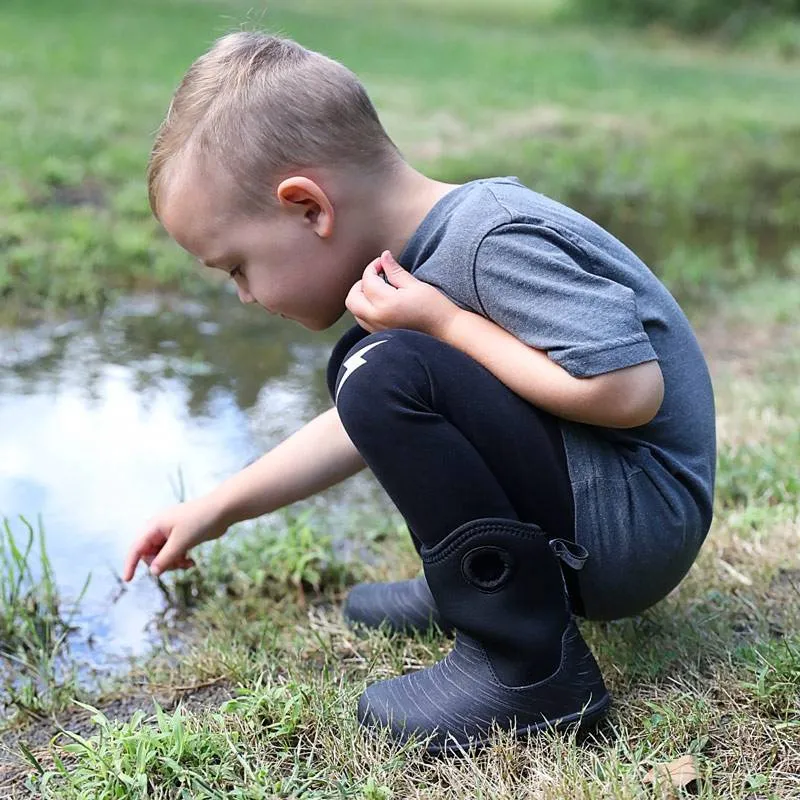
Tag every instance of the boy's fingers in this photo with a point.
(170, 556)
(397, 275)
(373, 266)
(362, 323)
(370, 272)
(374, 286)
(131, 563)
(357, 303)
(145, 549)
(136, 554)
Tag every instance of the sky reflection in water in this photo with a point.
(101, 418)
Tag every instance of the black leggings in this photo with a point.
(447, 440)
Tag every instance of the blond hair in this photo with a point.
(261, 105)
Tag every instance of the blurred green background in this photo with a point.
(675, 124)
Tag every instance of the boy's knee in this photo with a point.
(376, 364)
(340, 351)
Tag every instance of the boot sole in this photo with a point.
(585, 719)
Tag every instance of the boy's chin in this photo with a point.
(316, 323)
(321, 323)
(310, 324)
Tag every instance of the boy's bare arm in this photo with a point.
(314, 458)
(317, 456)
(623, 398)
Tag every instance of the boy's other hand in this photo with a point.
(399, 301)
(168, 537)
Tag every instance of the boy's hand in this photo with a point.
(168, 537)
(402, 302)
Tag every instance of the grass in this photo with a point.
(713, 671)
(35, 624)
(292, 559)
(628, 126)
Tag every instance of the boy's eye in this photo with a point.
(236, 271)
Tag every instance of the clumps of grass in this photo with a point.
(772, 678)
(29, 605)
(729, 19)
(278, 708)
(34, 625)
(203, 756)
(269, 561)
(130, 759)
(81, 244)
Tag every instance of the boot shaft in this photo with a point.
(499, 582)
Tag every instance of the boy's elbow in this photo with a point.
(643, 399)
(639, 414)
(632, 396)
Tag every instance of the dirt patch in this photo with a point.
(87, 193)
(740, 345)
(786, 579)
(38, 735)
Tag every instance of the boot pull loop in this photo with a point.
(571, 553)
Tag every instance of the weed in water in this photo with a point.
(34, 625)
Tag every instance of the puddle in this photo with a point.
(102, 420)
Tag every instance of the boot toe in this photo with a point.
(402, 606)
(360, 605)
(392, 704)
(428, 705)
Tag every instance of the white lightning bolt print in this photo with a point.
(354, 362)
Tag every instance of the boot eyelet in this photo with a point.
(487, 568)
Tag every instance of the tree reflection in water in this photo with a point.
(211, 348)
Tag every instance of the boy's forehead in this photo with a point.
(192, 213)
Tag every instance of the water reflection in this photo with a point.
(207, 349)
(99, 416)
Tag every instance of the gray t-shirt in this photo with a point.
(562, 284)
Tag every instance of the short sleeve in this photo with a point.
(539, 286)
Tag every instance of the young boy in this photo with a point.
(526, 391)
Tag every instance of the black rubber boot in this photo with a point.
(518, 660)
(403, 606)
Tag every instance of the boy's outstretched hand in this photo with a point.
(400, 301)
(168, 537)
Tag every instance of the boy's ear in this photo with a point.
(303, 196)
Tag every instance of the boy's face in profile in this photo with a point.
(284, 259)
